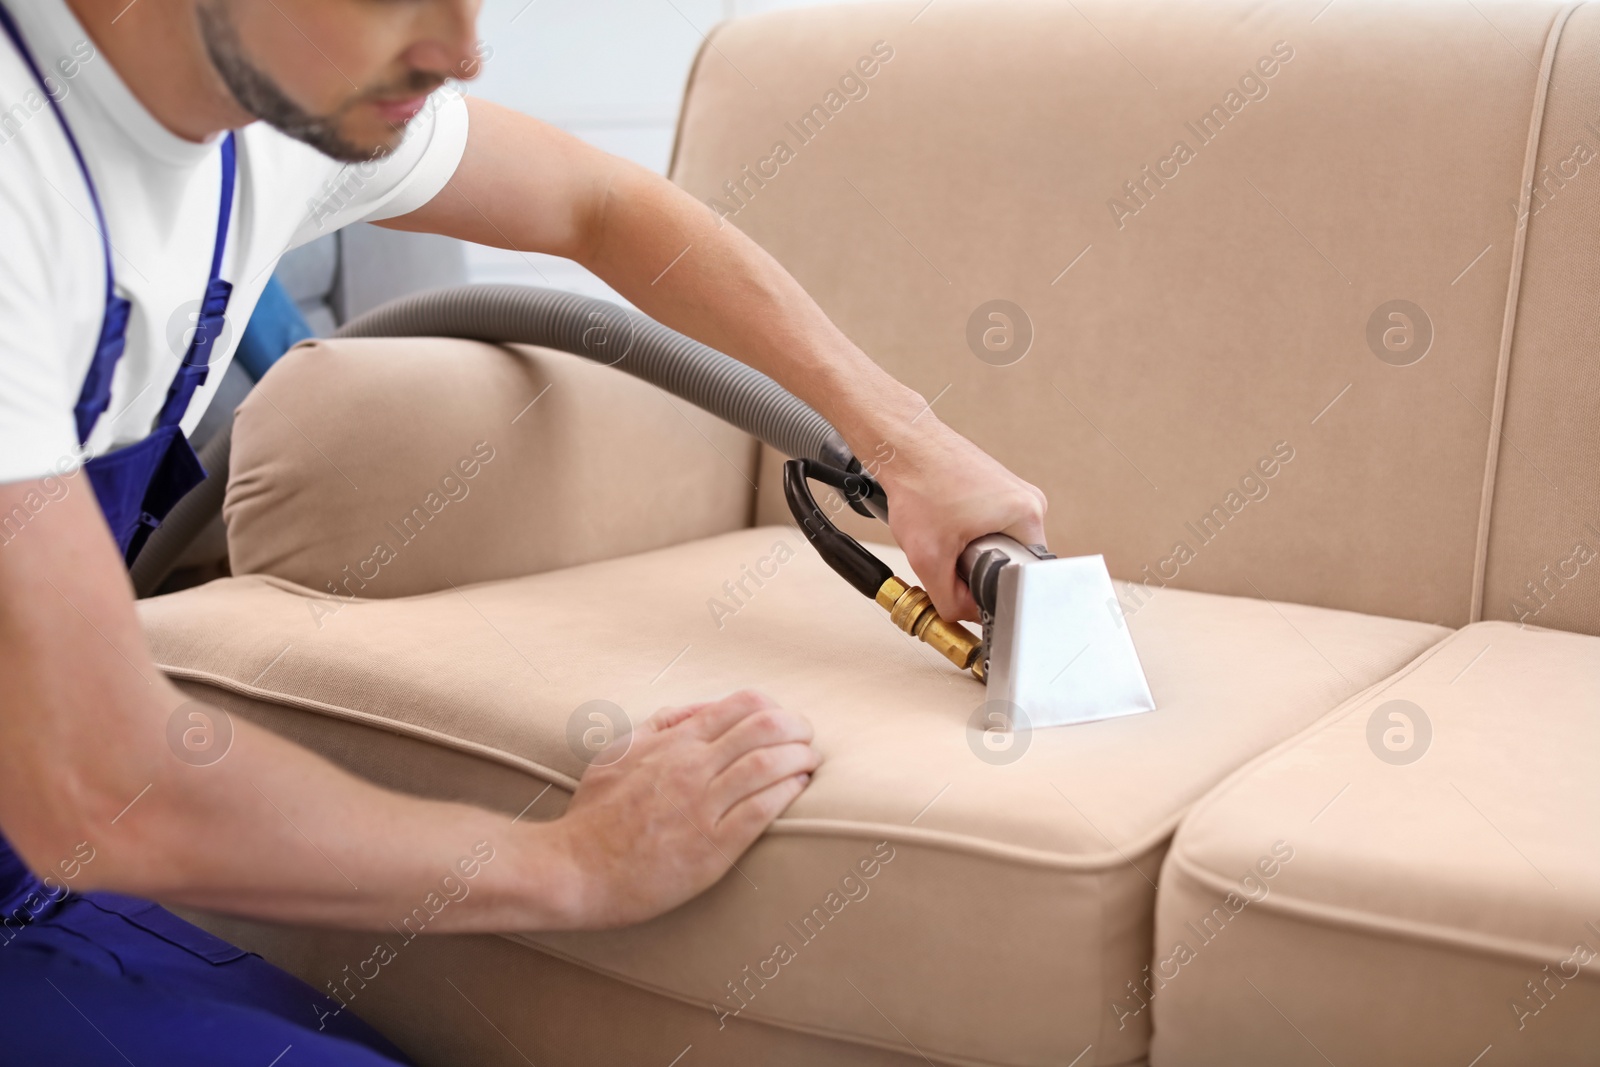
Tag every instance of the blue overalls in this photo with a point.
(102, 978)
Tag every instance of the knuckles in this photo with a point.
(777, 726)
(765, 762)
(749, 700)
(769, 723)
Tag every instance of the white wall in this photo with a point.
(609, 71)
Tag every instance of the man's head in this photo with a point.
(344, 76)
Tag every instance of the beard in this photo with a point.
(262, 97)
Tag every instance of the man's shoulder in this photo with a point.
(23, 103)
(326, 194)
(288, 166)
(42, 191)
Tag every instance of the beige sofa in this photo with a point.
(1318, 510)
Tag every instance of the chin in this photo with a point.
(377, 131)
(368, 141)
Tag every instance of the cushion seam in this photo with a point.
(1351, 918)
(847, 1036)
(1021, 855)
(689, 85)
(1369, 922)
(366, 718)
(1160, 833)
(1104, 946)
(1333, 716)
(1541, 91)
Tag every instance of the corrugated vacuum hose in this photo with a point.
(1067, 595)
(549, 318)
(617, 337)
(638, 345)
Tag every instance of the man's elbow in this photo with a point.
(81, 829)
(53, 839)
(602, 208)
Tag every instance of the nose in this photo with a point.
(447, 40)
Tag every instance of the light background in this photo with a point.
(609, 71)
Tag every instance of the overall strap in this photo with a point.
(211, 320)
(95, 396)
(230, 170)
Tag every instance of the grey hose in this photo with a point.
(618, 337)
(550, 318)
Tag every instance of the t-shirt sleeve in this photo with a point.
(398, 183)
(37, 432)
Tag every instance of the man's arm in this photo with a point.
(527, 186)
(275, 832)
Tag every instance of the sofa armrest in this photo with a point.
(392, 467)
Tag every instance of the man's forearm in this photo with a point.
(679, 263)
(526, 186)
(87, 756)
(98, 789)
(275, 832)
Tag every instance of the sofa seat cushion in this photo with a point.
(1010, 896)
(1425, 861)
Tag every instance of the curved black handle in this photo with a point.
(839, 550)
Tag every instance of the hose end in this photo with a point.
(911, 609)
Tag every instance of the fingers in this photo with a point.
(716, 718)
(732, 727)
(739, 704)
(935, 567)
(667, 718)
(1029, 529)
(760, 769)
(1020, 516)
(951, 597)
(747, 819)
(770, 725)
(965, 606)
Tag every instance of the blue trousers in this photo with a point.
(106, 979)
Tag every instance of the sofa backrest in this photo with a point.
(1543, 562)
(1230, 281)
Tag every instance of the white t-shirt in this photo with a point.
(161, 195)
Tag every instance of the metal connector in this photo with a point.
(911, 609)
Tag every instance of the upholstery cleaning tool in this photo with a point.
(1055, 647)
(1054, 644)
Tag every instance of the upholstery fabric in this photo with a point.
(1544, 538)
(1216, 312)
(500, 1000)
(1041, 867)
(382, 468)
(1297, 332)
(1442, 892)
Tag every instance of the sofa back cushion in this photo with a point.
(1228, 281)
(1543, 564)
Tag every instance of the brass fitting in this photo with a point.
(910, 608)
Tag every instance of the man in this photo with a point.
(129, 209)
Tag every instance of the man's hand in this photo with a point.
(695, 788)
(272, 831)
(525, 185)
(944, 493)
